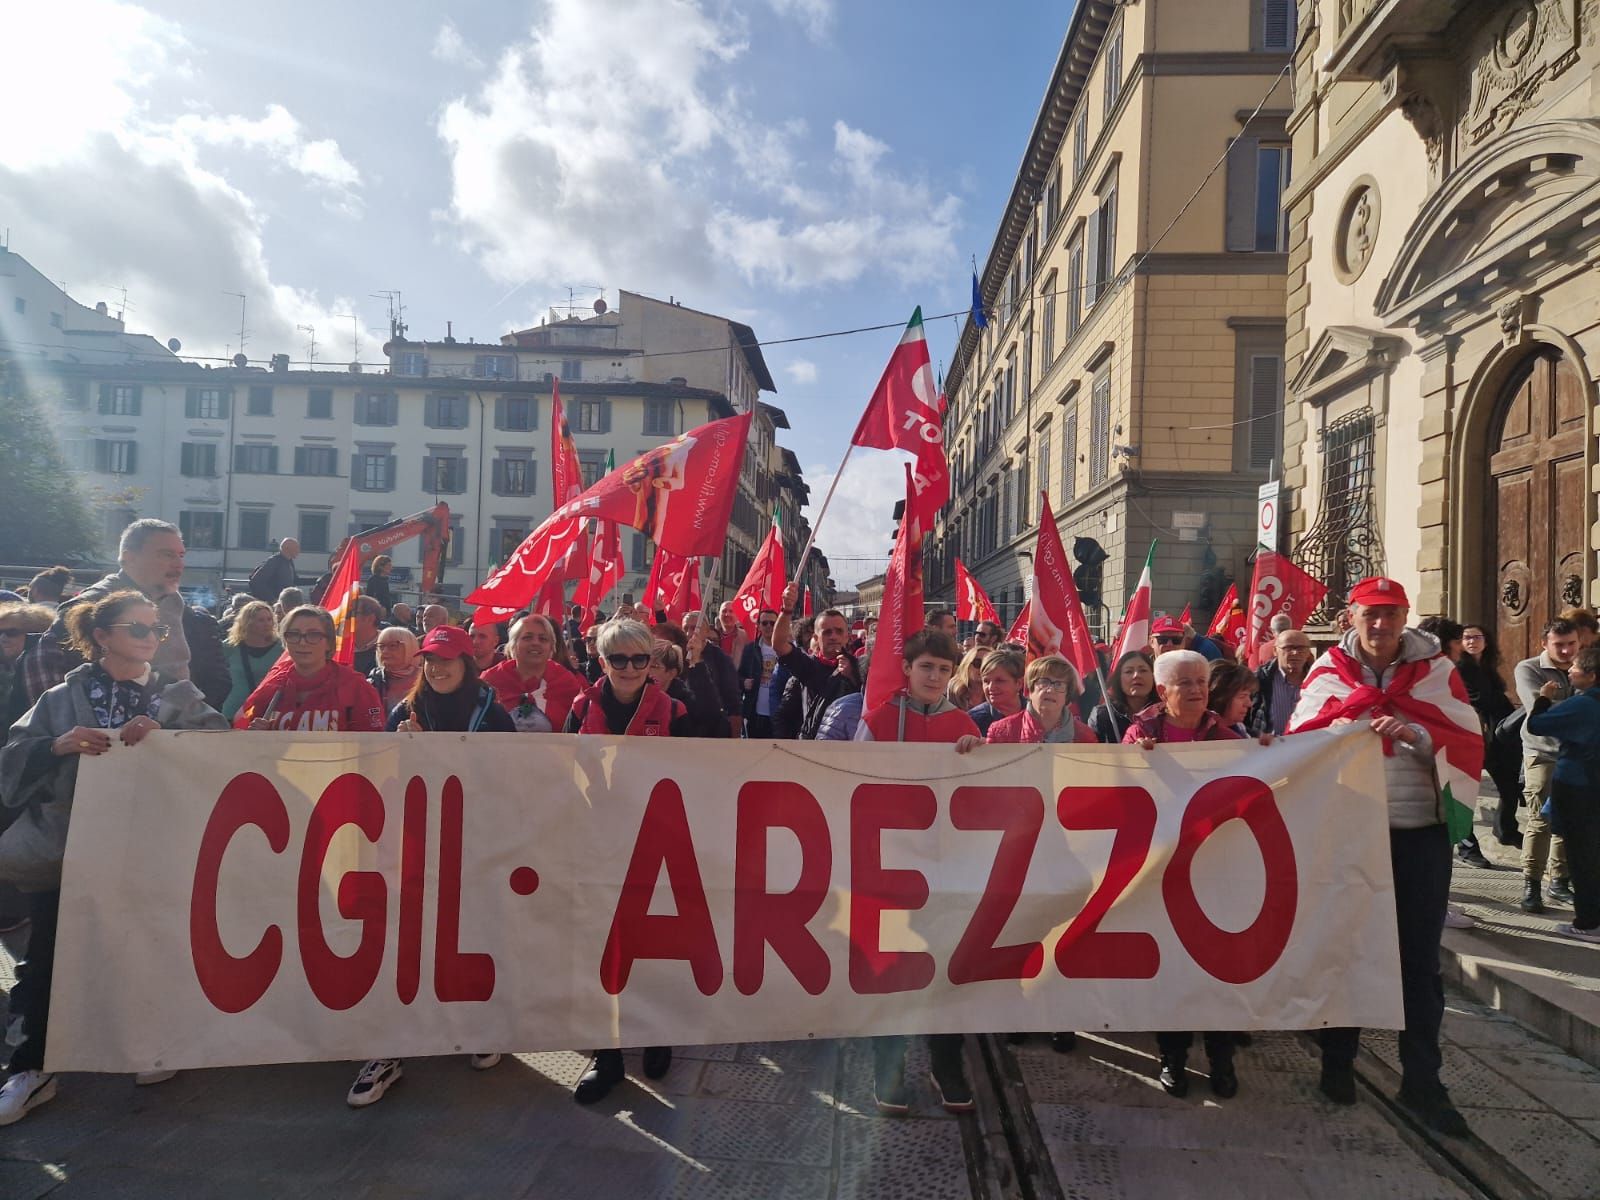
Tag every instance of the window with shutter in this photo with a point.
(1100, 429)
(1091, 259)
(1276, 28)
(314, 532)
(1113, 61)
(1044, 459)
(1080, 141)
(1266, 409)
(319, 404)
(259, 403)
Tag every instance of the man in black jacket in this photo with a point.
(276, 572)
(151, 553)
(1279, 683)
(822, 677)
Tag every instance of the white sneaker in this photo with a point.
(1454, 918)
(373, 1081)
(24, 1092)
(484, 1062)
(1567, 929)
(147, 1078)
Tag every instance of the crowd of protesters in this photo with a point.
(128, 654)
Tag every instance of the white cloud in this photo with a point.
(815, 15)
(595, 146)
(801, 370)
(857, 533)
(450, 47)
(99, 191)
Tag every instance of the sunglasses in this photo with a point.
(311, 636)
(13, 633)
(1170, 640)
(138, 629)
(621, 662)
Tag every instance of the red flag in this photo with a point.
(687, 598)
(1056, 623)
(667, 571)
(1135, 631)
(1228, 623)
(805, 607)
(1185, 618)
(763, 585)
(1018, 635)
(679, 494)
(344, 589)
(605, 570)
(900, 614)
(903, 414)
(552, 601)
(1278, 587)
(972, 602)
(566, 475)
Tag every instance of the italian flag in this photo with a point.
(1135, 631)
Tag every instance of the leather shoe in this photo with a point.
(604, 1073)
(1560, 890)
(1224, 1081)
(657, 1061)
(1338, 1084)
(1472, 856)
(1174, 1081)
(1063, 1043)
(1532, 901)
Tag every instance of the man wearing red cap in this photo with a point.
(1396, 681)
(1167, 634)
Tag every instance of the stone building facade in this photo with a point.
(1132, 363)
(1443, 311)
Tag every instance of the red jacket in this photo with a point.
(1024, 727)
(1152, 723)
(553, 695)
(336, 697)
(653, 718)
(943, 723)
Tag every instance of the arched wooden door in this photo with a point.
(1537, 501)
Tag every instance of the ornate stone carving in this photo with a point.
(1513, 313)
(1527, 44)
(1424, 116)
(1572, 591)
(1511, 596)
(1358, 230)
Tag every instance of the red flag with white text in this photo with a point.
(605, 570)
(667, 571)
(1056, 624)
(903, 414)
(972, 602)
(679, 494)
(687, 598)
(763, 584)
(1018, 633)
(900, 613)
(566, 474)
(1228, 622)
(1278, 586)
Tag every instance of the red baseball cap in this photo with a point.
(1167, 625)
(1378, 590)
(447, 641)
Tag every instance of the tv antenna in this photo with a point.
(355, 334)
(243, 301)
(311, 342)
(572, 294)
(397, 313)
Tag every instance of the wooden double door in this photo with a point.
(1537, 504)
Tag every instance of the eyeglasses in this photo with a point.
(768, 624)
(1050, 685)
(1170, 639)
(138, 629)
(309, 636)
(621, 662)
(13, 633)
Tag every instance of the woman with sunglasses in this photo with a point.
(1131, 689)
(625, 702)
(447, 697)
(115, 693)
(532, 684)
(316, 693)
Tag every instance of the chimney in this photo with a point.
(101, 308)
(449, 333)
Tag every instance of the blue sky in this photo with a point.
(802, 165)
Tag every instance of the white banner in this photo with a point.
(268, 897)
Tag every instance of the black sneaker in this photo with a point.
(1338, 1084)
(1224, 1080)
(1174, 1078)
(954, 1092)
(1431, 1106)
(1532, 901)
(1560, 890)
(604, 1073)
(1469, 853)
(890, 1093)
(1063, 1043)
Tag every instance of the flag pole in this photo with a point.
(816, 526)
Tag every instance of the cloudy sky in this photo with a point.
(801, 165)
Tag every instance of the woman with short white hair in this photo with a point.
(397, 665)
(625, 702)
